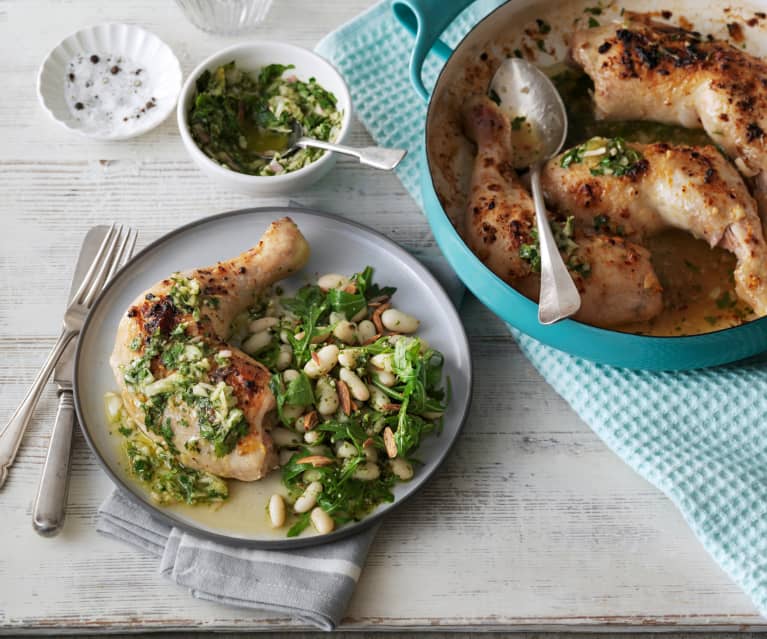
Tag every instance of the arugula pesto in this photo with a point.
(611, 156)
(237, 116)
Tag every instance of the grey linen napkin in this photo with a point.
(311, 584)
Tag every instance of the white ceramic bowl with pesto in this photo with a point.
(252, 57)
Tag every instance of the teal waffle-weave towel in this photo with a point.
(698, 436)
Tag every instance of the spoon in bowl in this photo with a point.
(375, 156)
(525, 91)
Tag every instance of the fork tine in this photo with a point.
(88, 277)
(123, 254)
(106, 263)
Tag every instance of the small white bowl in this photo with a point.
(113, 105)
(252, 57)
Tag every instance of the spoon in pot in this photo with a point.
(523, 91)
(375, 156)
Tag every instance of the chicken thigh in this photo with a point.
(182, 383)
(690, 188)
(645, 70)
(614, 276)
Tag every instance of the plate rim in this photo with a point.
(284, 543)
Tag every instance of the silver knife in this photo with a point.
(51, 501)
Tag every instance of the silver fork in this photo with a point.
(105, 264)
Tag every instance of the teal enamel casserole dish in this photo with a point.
(446, 161)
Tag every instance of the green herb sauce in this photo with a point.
(236, 116)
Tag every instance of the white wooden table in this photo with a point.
(531, 524)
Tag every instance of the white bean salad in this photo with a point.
(356, 391)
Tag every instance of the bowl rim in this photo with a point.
(374, 517)
(515, 296)
(148, 124)
(229, 174)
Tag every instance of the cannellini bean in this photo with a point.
(378, 399)
(284, 336)
(348, 357)
(312, 436)
(345, 449)
(384, 361)
(276, 510)
(284, 357)
(327, 398)
(285, 456)
(257, 342)
(317, 339)
(308, 498)
(385, 377)
(320, 337)
(311, 475)
(378, 425)
(371, 453)
(284, 438)
(336, 317)
(401, 468)
(332, 280)
(365, 330)
(399, 322)
(367, 471)
(291, 412)
(320, 450)
(263, 324)
(290, 374)
(346, 332)
(322, 522)
(357, 387)
(435, 414)
(327, 358)
(360, 314)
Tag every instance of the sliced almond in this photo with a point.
(371, 340)
(368, 442)
(316, 460)
(344, 396)
(316, 358)
(377, 317)
(350, 288)
(391, 407)
(310, 420)
(377, 301)
(391, 446)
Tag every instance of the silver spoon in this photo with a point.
(525, 91)
(375, 156)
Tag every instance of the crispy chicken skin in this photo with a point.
(644, 70)
(690, 188)
(281, 251)
(621, 287)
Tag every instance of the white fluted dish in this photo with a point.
(115, 106)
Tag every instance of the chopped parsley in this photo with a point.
(563, 236)
(615, 157)
(593, 22)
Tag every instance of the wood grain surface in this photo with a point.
(532, 523)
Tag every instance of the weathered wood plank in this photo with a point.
(532, 523)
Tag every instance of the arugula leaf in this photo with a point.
(347, 303)
(299, 391)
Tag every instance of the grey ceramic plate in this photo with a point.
(337, 246)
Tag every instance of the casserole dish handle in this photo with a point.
(426, 20)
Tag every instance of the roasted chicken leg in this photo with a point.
(645, 70)
(690, 188)
(182, 383)
(615, 277)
